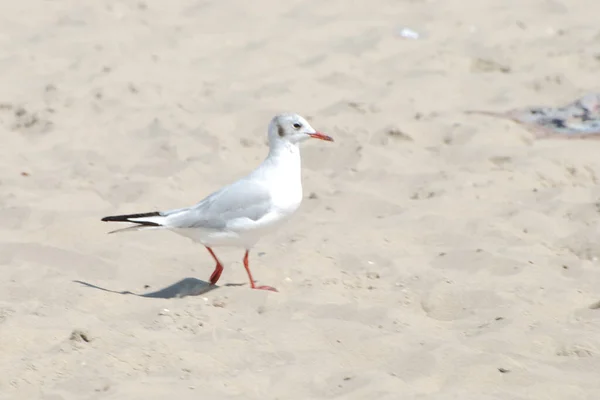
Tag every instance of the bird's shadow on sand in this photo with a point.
(183, 288)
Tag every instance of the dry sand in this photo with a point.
(445, 256)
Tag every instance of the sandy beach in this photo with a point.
(436, 255)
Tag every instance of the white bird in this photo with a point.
(240, 213)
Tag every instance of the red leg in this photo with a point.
(214, 277)
(252, 285)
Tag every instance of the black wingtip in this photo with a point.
(127, 218)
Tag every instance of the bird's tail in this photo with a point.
(150, 220)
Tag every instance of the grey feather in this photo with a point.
(243, 199)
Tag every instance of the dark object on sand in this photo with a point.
(577, 120)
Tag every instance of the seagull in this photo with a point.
(239, 214)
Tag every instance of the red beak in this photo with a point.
(319, 135)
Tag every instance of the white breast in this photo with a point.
(286, 196)
(283, 178)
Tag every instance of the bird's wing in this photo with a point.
(244, 199)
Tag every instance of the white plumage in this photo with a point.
(240, 213)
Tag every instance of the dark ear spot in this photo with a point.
(280, 130)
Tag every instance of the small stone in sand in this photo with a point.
(79, 336)
(218, 303)
(372, 275)
(104, 388)
(398, 134)
(483, 65)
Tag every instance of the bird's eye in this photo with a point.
(297, 125)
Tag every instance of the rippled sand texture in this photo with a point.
(437, 255)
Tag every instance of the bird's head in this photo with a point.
(292, 128)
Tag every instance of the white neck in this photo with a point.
(284, 161)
